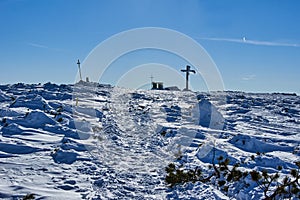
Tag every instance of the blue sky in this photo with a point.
(254, 43)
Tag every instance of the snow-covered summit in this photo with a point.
(93, 141)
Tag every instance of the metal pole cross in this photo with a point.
(187, 71)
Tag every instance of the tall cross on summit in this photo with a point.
(187, 71)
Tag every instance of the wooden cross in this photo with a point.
(187, 71)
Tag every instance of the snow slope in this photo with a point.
(92, 141)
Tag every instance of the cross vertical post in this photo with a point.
(78, 63)
(187, 71)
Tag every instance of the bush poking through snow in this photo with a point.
(163, 133)
(179, 176)
(224, 177)
(288, 187)
(60, 120)
(221, 175)
(29, 197)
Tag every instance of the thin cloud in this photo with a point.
(249, 77)
(37, 45)
(253, 42)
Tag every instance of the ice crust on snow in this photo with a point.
(116, 143)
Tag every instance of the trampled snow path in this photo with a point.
(132, 149)
(116, 142)
(127, 151)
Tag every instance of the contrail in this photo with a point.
(253, 42)
(37, 45)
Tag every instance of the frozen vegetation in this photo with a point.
(92, 141)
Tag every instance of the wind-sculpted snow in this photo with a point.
(93, 141)
(11, 129)
(3, 96)
(252, 144)
(17, 148)
(35, 119)
(31, 102)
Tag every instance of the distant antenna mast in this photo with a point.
(78, 63)
(187, 71)
(151, 78)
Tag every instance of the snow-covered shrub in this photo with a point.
(29, 196)
(274, 186)
(231, 178)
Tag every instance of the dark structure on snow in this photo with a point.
(187, 71)
(78, 63)
(157, 86)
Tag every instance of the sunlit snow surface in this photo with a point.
(92, 141)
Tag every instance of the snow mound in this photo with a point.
(3, 96)
(68, 144)
(35, 119)
(91, 112)
(208, 153)
(55, 95)
(18, 148)
(11, 129)
(64, 157)
(251, 144)
(9, 112)
(32, 102)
